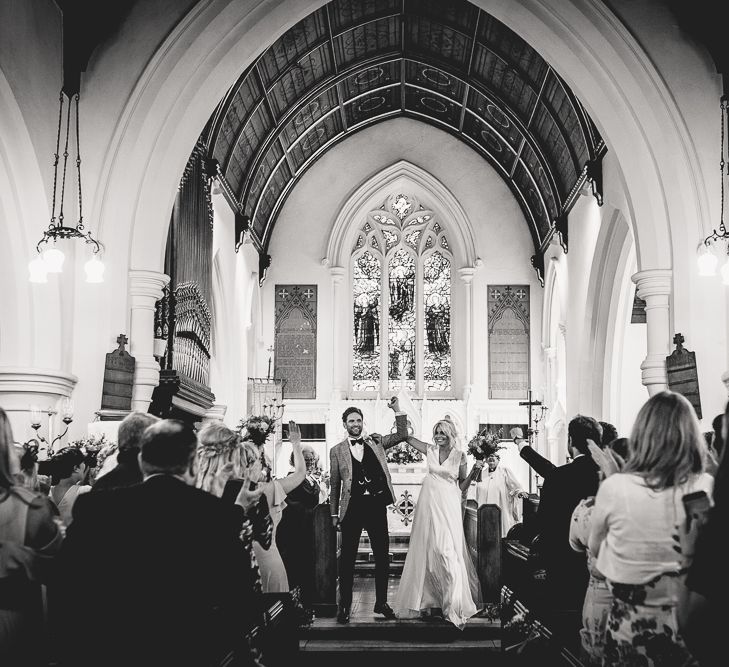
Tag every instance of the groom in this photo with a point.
(361, 490)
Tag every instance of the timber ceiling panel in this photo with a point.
(356, 62)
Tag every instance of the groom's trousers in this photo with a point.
(370, 513)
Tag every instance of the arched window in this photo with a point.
(401, 291)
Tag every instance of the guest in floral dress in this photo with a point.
(636, 513)
(598, 598)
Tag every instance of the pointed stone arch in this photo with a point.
(401, 176)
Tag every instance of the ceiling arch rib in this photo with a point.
(353, 63)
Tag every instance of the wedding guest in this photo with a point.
(717, 443)
(636, 513)
(29, 539)
(127, 471)
(563, 489)
(598, 598)
(702, 609)
(69, 467)
(295, 532)
(273, 571)
(609, 433)
(174, 591)
(28, 454)
(221, 456)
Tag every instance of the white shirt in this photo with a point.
(356, 449)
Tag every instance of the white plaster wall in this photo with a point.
(502, 242)
(235, 279)
(136, 137)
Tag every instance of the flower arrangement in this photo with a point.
(483, 445)
(256, 429)
(402, 454)
(91, 446)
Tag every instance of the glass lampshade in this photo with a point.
(94, 270)
(707, 261)
(38, 273)
(53, 259)
(725, 272)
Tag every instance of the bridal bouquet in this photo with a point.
(256, 429)
(483, 445)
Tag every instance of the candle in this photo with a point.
(67, 409)
(35, 416)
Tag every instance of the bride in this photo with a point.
(438, 572)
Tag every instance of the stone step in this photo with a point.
(369, 557)
(407, 649)
(365, 569)
(374, 628)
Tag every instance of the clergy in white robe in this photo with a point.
(499, 486)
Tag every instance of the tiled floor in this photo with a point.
(363, 597)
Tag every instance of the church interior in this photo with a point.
(506, 213)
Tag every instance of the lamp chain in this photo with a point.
(65, 162)
(55, 160)
(80, 224)
(722, 228)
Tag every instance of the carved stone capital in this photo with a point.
(653, 372)
(654, 285)
(337, 273)
(466, 274)
(145, 287)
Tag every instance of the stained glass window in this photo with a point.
(401, 322)
(437, 323)
(366, 289)
(402, 300)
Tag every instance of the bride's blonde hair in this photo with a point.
(449, 430)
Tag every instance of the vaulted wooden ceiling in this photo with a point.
(353, 63)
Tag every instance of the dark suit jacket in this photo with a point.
(126, 473)
(538, 463)
(563, 489)
(152, 574)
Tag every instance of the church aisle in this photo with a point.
(406, 642)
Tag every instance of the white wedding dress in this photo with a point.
(438, 571)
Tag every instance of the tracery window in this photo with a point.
(401, 291)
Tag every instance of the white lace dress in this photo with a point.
(438, 571)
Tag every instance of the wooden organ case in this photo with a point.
(183, 316)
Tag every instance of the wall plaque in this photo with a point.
(508, 339)
(118, 378)
(295, 345)
(683, 376)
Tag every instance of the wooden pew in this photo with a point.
(482, 527)
(325, 562)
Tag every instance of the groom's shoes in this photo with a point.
(343, 614)
(385, 609)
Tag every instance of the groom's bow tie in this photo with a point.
(358, 441)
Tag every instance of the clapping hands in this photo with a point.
(607, 460)
(247, 497)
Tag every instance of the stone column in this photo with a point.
(654, 287)
(340, 309)
(466, 275)
(23, 387)
(145, 289)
